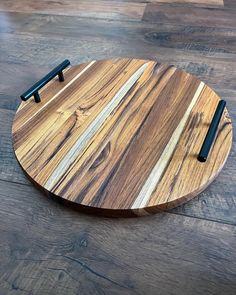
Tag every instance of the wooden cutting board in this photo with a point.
(121, 137)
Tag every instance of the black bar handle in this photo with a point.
(206, 146)
(33, 91)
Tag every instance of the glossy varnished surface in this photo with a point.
(122, 135)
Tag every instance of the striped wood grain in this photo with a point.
(121, 136)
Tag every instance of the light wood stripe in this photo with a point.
(131, 171)
(120, 129)
(154, 177)
(59, 92)
(92, 129)
(49, 92)
(61, 110)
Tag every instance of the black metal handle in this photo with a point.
(35, 88)
(206, 146)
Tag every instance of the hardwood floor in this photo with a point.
(47, 248)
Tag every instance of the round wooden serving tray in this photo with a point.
(121, 137)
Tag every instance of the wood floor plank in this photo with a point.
(15, 79)
(9, 170)
(205, 57)
(210, 68)
(47, 248)
(174, 13)
(102, 9)
(199, 3)
(229, 4)
(189, 38)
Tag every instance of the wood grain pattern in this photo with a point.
(55, 250)
(103, 9)
(47, 248)
(173, 13)
(202, 3)
(121, 136)
(217, 203)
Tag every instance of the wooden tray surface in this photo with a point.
(121, 137)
